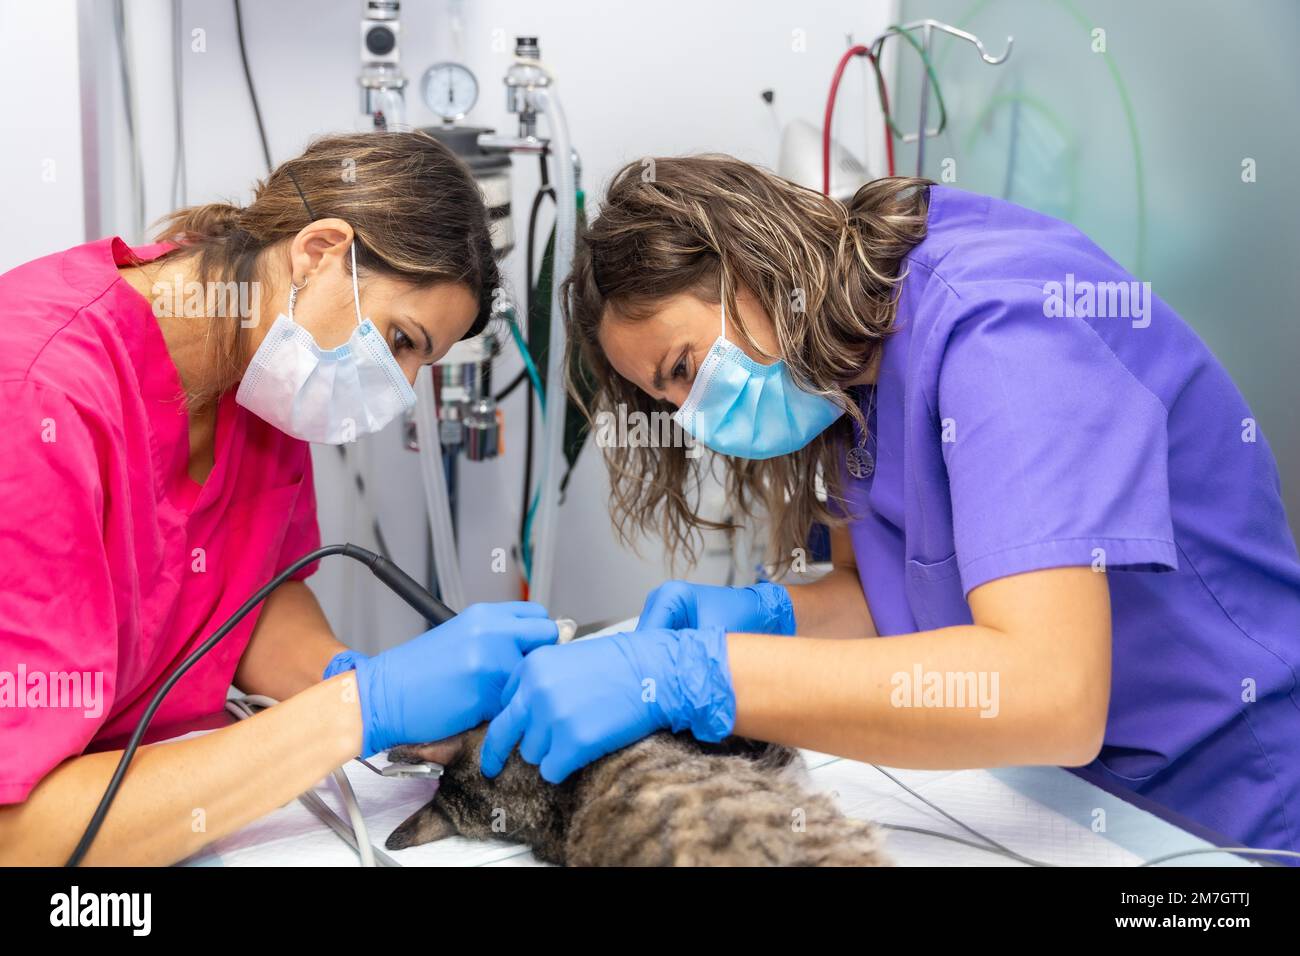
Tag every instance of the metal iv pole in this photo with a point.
(927, 27)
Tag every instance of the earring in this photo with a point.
(293, 295)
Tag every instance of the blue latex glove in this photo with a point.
(342, 661)
(448, 679)
(758, 609)
(565, 706)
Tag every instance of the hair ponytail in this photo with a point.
(196, 224)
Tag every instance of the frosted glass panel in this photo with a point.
(1142, 147)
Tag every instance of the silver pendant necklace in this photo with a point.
(860, 462)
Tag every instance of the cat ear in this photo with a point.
(423, 826)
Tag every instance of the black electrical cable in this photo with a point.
(541, 161)
(515, 382)
(389, 573)
(451, 475)
(380, 541)
(248, 79)
(528, 289)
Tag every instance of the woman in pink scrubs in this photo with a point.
(1045, 493)
(158, 404)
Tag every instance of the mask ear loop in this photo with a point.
(356, 293)
(722, 296)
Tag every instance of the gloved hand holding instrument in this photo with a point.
(566, 706)
(448, 679)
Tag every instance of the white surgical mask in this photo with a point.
(325, 395)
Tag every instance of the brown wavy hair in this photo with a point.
(828, 274)
(416, 210)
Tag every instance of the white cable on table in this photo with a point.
(244, 707)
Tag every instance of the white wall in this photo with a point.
(41, 201)
(636, 80)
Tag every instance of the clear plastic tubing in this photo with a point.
(546, 522)
(445, 556)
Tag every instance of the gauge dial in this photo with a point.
(450, 90)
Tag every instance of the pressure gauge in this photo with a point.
(450, 90)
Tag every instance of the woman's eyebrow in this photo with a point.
(428, 342)
(658, 380)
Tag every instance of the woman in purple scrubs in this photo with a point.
(1042, 487)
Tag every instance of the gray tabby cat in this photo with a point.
(664, 801)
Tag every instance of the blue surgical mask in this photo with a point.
(744, 409)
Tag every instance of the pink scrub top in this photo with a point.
(114, 563)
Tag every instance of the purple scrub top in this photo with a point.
(1030, 412)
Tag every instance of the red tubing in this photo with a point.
(849, 54)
